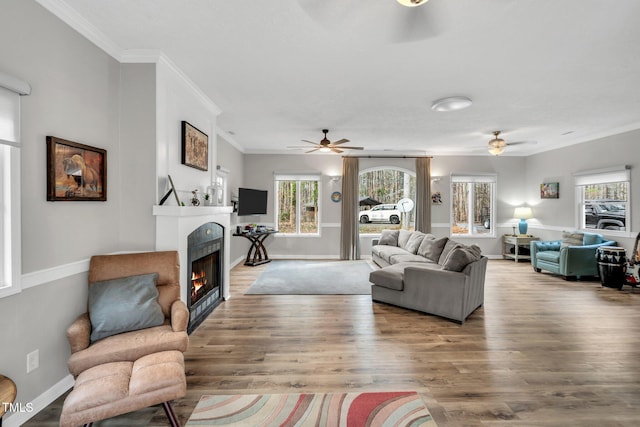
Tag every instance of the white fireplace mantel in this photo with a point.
(175, 223)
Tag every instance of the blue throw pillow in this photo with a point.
(123, 305)
(591, 239)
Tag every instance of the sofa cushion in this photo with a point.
(390, 277)
(403, 237)
(395, 259)
(389, 237)
(572, 238)
(448, 247)
(123, 305)
(592, 239)
(549, 256)
(386, 252)
(414, 242)
(461, 256)
(432, 248)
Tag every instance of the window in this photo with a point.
(297, 209)
(10, 232)
(380, 190)
(473, 201)
(603, 199)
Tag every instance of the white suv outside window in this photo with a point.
(387, 213)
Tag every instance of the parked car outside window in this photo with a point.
(386, 213)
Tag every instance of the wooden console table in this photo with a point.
(257, 253)
(517, 242)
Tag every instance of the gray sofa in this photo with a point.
(420, 272)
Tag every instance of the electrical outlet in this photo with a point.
(33, 361)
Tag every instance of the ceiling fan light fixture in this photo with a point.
(412, 3)
(325, 150)
(496, 151)
(451, 103)
(497, 145)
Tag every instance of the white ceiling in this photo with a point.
(551, 72)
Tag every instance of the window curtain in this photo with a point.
(349, 232)
(423, 194)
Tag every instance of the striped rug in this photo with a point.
(397, 409)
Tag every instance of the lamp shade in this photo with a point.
(523, 212)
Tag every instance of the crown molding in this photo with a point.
(71, 17)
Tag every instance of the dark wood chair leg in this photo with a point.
(170, 414)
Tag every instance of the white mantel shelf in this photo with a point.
(190, 210)
(175, 223)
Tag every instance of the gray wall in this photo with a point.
(75, 96)
(551, 216)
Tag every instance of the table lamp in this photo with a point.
(523, 212)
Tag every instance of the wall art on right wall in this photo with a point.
(550, 190)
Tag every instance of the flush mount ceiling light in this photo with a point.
(497, 145)
(452, 103)
(412, 3)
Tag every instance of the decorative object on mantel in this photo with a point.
(550, 190)
(171, 190)
(195, 147)
(524, 213)
(75, 172)
(194, 199)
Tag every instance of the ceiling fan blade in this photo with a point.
(336, 150)
(310, 142)
(352, 148)
(311, 151)
(342, 141)
(522, 142)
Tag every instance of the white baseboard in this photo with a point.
(40, 403)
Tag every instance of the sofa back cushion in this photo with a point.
(432, 248)
(461, 256)
(403, 238)
(389, 237)
(414, 241)
(448, 247)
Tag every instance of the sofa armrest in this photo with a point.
(179, 316)
(541, 246)
(79, 333)
(580, 260)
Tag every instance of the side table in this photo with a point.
(7, 394)
(257, 253)
(516, 242)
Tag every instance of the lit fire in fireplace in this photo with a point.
(198, 282)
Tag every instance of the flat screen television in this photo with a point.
(252, 202)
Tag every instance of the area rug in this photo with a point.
(298, 277)
(397, 409)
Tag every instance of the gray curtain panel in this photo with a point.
(349, 233)
(423, 194)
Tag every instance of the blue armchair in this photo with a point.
(572, 257)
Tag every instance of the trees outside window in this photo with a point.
(297, 207)
(472, 205)
(379, 191)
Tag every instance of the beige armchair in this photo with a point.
(130, 346)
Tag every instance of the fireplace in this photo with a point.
(205, 255)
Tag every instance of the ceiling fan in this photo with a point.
(497, 145)
(326, 146)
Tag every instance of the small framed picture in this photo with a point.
(195, 147)
(75, 172)
(550, 190)
(436, 198)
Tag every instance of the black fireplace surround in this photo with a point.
(205, 258)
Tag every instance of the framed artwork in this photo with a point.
(195, 147)
(336, 196)
(436, 198)
(75, 172)
(550, 190)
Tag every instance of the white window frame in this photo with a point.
(279, 176)
(472, 179)
(10, 225)
(602, 176)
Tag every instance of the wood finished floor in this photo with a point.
(541, 352)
